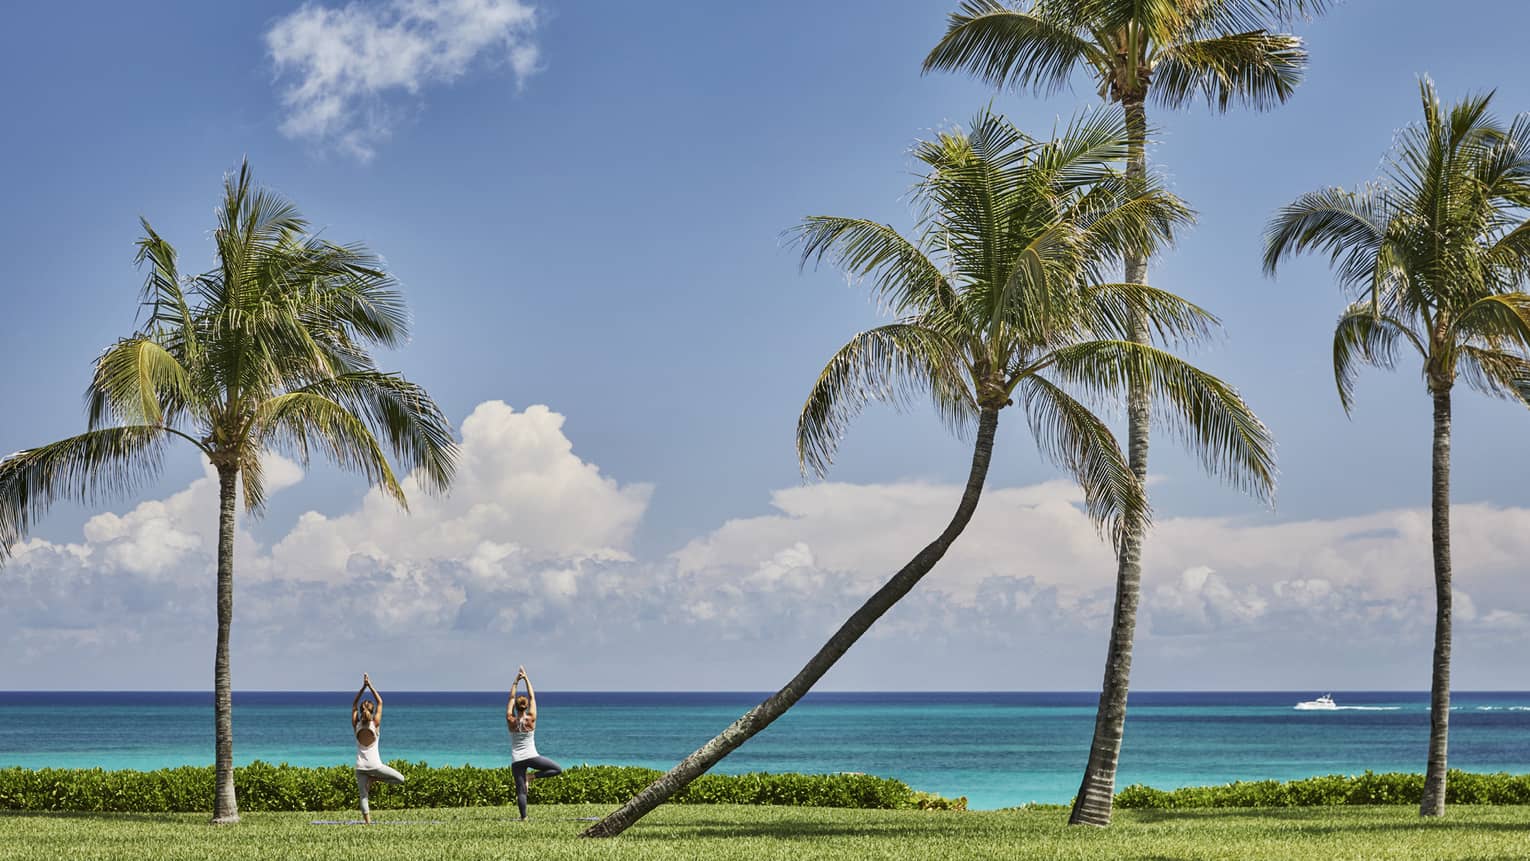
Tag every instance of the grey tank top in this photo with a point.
(523, 745)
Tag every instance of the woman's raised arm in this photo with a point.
(356, 703)
(531, 697)
(375, 695)
(510, 703)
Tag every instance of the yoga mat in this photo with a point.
(378, 822)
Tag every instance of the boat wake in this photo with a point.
(1366, 708)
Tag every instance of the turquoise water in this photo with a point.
(998, 749)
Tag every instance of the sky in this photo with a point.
(584, 203)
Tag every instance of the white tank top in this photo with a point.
(367, 755)
(523, 745)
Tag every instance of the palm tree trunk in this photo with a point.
(776, 705)
(1096, 793)
(225, 805)
(1433, 803)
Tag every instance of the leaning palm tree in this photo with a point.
(1001, 297)
(1436, 258)
(1174, 51)
(265, 352)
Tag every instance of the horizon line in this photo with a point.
(757, 692)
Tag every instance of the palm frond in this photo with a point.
(1290, 11)
(1496, 373)
(252, 216)
(1007, 47)
(1509, 255)
(902, 276)
(404, 415)
(1119, 217)
(1503, 173)
(252, 482)
(1110, 311)
(993, 142)
(138, 381)
(894, 364)
(1499, 319)
(1074, 438)
(1364, 336)
(162, 298)
(1207, 413)
(258, 349)
(1239, 15)
(1256, 68)
(349, 293)
(1091, 149)
(296, 422)
(1350, 226)
(99, 464)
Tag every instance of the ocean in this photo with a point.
(998, 749)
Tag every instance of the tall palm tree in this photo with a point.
(1436, 257)
(1001, 296)
(265, 352)
(1175, 52)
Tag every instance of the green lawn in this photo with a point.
(721, 833)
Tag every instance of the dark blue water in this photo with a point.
(998, 749)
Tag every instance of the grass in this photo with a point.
(723, 833)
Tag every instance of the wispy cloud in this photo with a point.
(343, 64)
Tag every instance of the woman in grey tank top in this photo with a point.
(521, 717)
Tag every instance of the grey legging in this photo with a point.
(366, 776)
(543, 766)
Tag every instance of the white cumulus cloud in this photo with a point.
(520, 494)
(528, 560)
(343, 64)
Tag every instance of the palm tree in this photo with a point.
(265, 352)
(1000, 297)
(1175, 51)
(1436, 257)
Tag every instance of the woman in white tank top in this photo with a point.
(366, 725)
(521, 717)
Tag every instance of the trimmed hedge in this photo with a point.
(1462, 787)
(265, 787)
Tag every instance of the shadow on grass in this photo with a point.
(792, 830)
(1156, 817)
(1393, 827)
(1311, 820)
(99, 816)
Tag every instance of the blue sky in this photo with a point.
(585, 211)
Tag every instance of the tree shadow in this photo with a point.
(102, 816)
(1226, 814)
(790, 830)
(1308, 819)
(1392, 827)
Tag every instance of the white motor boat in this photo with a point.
(1321, 703)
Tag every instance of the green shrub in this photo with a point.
(931, 801)
(1462, 787)
(265, 787)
